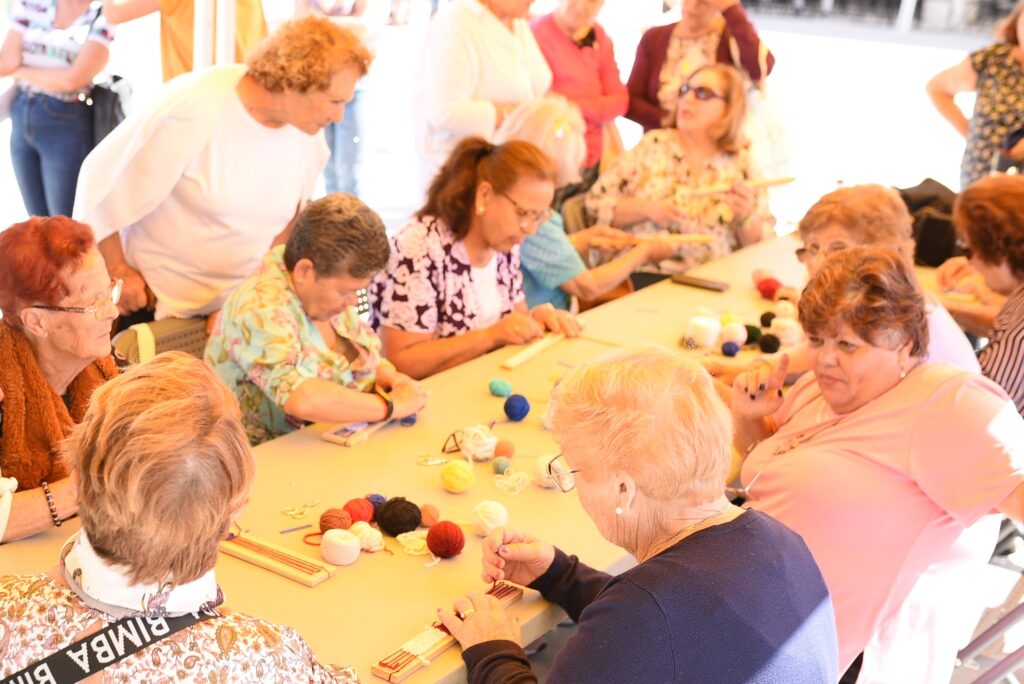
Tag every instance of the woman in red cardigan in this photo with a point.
(709, 31)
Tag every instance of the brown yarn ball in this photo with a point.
(505, 448)
(397, 516)
(430, 515)
(335, 519)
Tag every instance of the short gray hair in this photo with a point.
(338, 233)
(652, 413)
(555, 125)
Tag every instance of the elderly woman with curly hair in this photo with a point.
(58, 303)
(875, 439)
(164, 469)
(186, 197)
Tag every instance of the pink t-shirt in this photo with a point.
(881, 493)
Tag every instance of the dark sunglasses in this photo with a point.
(702, 93)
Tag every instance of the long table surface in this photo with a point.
(370, 608)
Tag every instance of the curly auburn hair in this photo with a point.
(989, 214)
(871, 213)
(871, 289)
(305, 54)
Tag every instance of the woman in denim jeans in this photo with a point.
(54, 49)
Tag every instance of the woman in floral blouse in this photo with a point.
(290, 343)
(164, 468)
(663, 182)
(453, 290)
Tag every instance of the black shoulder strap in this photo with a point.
(110, 645)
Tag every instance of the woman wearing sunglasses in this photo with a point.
(692, 178)
(58, 304)
(718, 594)
(452, 289)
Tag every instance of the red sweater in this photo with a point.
(650, 57)
(587, 76)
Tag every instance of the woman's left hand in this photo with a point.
(483, 619)
(741, 200)
(387, 374)
(556, 320)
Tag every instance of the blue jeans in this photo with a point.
(50, 139)
(345, 142)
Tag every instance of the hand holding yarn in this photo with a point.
(515, 556)
(483, 618)
(757, 393)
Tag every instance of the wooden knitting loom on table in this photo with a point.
(278, 560)
(432, 641)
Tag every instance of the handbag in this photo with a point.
(109, 100)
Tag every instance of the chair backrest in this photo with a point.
(574, 214)
(143, 341)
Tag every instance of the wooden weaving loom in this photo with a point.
(278, 559)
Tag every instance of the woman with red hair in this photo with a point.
(58, 303)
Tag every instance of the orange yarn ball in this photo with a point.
(505, 448)
(445, 539)
(360, 510)
(431, 515)
(335, 519)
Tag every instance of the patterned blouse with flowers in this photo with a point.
(428, 285)
(264, 346)
(38, 617)
(998, 109)
(685, 55)
(656, 170)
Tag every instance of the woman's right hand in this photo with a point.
(133, 294)
(952, 271)
(516, 328)
(408, 396)
(665, 213)
(515, 556)
(757, 393)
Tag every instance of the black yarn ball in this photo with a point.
(396, 516)
(753, 334)
(766, 319)
(769, 344)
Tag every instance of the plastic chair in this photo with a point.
(143, 341)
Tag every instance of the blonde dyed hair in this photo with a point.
(872, 214)
(164, 466)
(303, 55)
(727, 132)
(651, 413)
(556, 127)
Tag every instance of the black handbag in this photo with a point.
(108, 100)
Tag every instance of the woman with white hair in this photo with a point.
(553, 263)
(718, 594)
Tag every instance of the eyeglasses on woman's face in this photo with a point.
(112, 295)
(702, 93)
(811, 252)
(528, 217)
(562, 474)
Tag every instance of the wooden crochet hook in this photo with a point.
(535, 348)
(725, 187)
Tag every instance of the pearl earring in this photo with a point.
(479, 210)
(618, 510)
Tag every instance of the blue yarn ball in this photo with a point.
(376, 500)
(516, 407)
(499, 387)
(501, 464)
(408, 421)
(730, 349)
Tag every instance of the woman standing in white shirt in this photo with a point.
(480, 61)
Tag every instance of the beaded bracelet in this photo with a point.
(57, 522)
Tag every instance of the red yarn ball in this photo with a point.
(768, 288)
(361, 510)
(445, 539)
(335, 519)
(431, 515)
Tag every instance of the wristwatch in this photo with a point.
(387, 402)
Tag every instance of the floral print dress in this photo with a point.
(998, 109)
(264, 346)
(685, 55)
(656, 170)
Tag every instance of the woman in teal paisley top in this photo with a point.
(290, 343)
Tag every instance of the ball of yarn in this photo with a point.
(769, 344)
(766, 319)
(408, 421)
(787, 330)
(370, 538)
(340, 547)
(730, 349)
(540, 472)
(505, 448)
(445, 539)
(457, 476)
(727, 318)
(335, 519)
(376, 500)
(499, 387)
(429, 515)
(501, 464)
(704, 331)
(398, 515)
(414, 543)
(786, 309)
(734, 332)
(359, 509)
(753, 334)
(516, 407)
(489, 516)
(478, 442)
(769, 287)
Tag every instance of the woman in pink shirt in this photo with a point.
(877, 460)
(582, 62)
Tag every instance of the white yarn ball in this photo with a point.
(786, 309)
(478, 442)
(703, 330)
(339, 547)
(734, 332)
(370, 538)
(540, 472)
(489, 516)
(787, 330)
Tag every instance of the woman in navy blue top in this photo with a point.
(718, 594)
